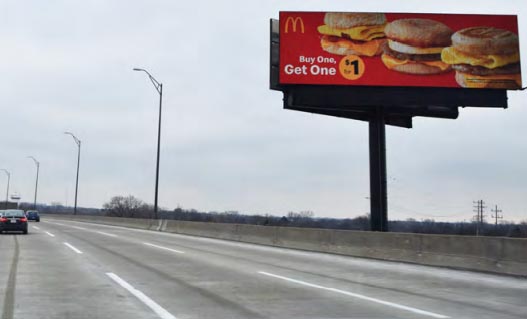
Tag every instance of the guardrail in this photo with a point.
(488, 254)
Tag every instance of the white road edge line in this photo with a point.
(77, 227)
(73, 248)
(363, 297)
(36, 227)
(165, 248)
(160, 311)
(50, 234)
(106, 234)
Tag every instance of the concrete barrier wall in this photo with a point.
(489, 254)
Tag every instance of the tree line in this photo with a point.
(132, 207)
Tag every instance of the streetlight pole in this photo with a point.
(159, 88)
(37, 163)
(8, 179)
(78, 142)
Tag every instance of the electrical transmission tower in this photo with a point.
(496, 215)
(479, 207)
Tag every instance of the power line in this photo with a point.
(406, 209)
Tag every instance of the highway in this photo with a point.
(66, 269)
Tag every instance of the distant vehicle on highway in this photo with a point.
(13, 220)
(33, 215)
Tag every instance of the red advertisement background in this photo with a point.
(295, 44)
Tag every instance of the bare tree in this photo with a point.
(129, 206)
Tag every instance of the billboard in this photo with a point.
(399, 49)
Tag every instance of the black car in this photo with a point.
(13, 220)
(33, 215)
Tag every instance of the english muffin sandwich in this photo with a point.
(415, 45)
(353, 33)
(485, 57)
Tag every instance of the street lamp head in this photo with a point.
(137, 69)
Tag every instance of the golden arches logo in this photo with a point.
(294, 23)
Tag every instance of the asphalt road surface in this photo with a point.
(65, 269)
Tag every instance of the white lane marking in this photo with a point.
(82, 228)
(106, 234)
(57, 223)
(165, 248)
(363, 297)
(50, 234)
(36, 227)
(160, 311)
(73, 248)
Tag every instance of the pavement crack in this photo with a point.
(9, 298)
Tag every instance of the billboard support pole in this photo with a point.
(378, 189)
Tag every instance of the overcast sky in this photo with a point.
(227, 143)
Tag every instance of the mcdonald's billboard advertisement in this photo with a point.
(400, 49)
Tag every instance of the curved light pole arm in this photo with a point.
(157, 85)
(77, 141)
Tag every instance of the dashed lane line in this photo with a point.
(106, 234)
(160, 311)
(165, 248)
(73, 248)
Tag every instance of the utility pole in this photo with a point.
(78, 142)
(7, 192)
(496, 215)
(478, 209)
(37, 163)
(159, 88)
